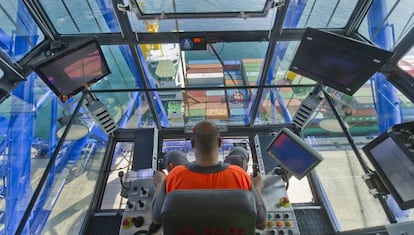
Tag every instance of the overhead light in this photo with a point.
(76, 132)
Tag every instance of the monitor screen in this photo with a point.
(145, 149)
(339, 62)
(72, 70)
(394, 167)
(293, 154)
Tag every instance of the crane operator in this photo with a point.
(204, 173)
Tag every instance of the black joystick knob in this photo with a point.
(141, 204)
(143, 191)
(138, 221)
(130, 205)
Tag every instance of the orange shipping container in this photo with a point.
(205, 70)
(215, 99)
(191, 66)
(197, 106)
(196, 99)
(216, 105)
(217, 113)
(196, 93)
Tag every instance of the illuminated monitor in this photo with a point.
(293, 154)
(339, 62)
(70, 71)
(393, 163)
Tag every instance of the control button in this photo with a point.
(288, 223)
(126, 223)
(141, 204)
(290, 232)
(138, 221)
(130, 205)
(281, 232)
(270, 223)
(284, 201)
(272, 232)
(143, 191)
(270, 216)
(278, 216)
(279, 224)
(286, 216)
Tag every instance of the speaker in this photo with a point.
(306, 109)
(101, 116)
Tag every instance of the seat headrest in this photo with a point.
(200, 211)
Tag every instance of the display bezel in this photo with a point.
(300, 145)
(56, 63)
(324, 57)
(403, 203)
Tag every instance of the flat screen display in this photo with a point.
(145, 149)
(339, 62)
(293, 154)
(394, 167)
(72, 70)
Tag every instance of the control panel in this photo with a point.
(136, 218)
(280, 214)
(137, 214)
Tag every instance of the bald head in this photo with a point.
(206, 138)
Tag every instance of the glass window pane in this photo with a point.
(70, 17)
(17, 37)
(390, 22)
(407, 63)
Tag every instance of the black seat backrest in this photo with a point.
(200, 212)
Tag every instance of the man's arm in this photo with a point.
(261, 217)
(159, 196)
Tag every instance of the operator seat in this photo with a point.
(199, 212)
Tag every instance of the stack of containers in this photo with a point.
(216, 105)
(231, 65)
(250, 71)
(237, 97)
(204, 73)
(196, 108)
(175, 111)
(203, 104)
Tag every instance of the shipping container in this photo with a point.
(191, 62)
(215, 93)
(196, 112)
(196, 93)
(217, 105)
(197, 106)
(215, 99)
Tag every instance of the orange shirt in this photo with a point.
(230, 177)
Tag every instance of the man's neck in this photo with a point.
(207, 160)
